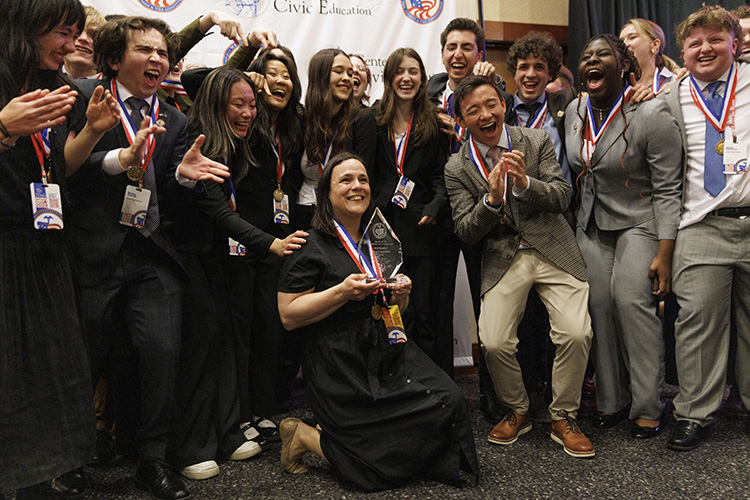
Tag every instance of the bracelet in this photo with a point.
(4, 130)
(6, 145)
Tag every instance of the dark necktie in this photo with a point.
(455, 141)
(714, 179)
(532, 109)
(149, 179)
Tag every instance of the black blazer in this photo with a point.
(96, 234)
(423, 164)
(556, 103)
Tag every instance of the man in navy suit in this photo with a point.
(129, 273)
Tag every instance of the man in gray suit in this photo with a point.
(507, 192)
(712, 250)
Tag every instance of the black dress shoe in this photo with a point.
(105, 450)
(643, 432)
(605, 421)
(491, 408)
(684, 436)
(69, 485)
(159, 478)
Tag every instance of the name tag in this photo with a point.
(403, 192)
(281, 210)
(135, 207)
(46, 206)
(735, 157)
(393, 324)
(236, 248)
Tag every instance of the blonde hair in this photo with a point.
(651, 30)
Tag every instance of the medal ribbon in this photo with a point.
(279, 162)
(326, 157)
(354, 252)
(42, 148)
(719, 122)
(401, 148)
(593, 134)
(655, 85)
(175, 85)
(539, 117)
(129, 126)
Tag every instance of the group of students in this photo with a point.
(202, 258)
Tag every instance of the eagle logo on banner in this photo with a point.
(246, 8)
(160, 5)
(422, 11)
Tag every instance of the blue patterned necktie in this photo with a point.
(149, 178)
(714, 179)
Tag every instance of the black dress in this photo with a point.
(387, 412)
(46, 407)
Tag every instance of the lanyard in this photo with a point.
(593, 134)
(42, 148)
(175, 85)
(326, 157)
(401, 148)
(356, 254)
(129, 126)
(279, 162)
(727, 103)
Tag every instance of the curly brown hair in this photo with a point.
(538, 44)
(710, 16)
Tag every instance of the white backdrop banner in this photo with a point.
(373, 28)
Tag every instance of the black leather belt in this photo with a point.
(734, 212)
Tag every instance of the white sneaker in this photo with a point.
(203, 470)
(247, 450)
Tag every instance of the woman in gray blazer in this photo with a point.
(626, 161)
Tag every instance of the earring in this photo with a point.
(653, 51)
(622, 74)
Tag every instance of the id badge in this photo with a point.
(46, 206)
(393, 325)
(135, 207)
(236, 248)
(403, 192)
(735, 158)
(281, 210)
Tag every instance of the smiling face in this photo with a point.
(532, 76)
(279, 84)
(599, 72)
(708, 52)
(643, 48)
(241, 110)
(460, 54)
(482, 113)
(341, 78)
(144, 64)
(407, 80)
(83, 56)
(350, 189)
(359, 77)
(745, 23)
(55, 45)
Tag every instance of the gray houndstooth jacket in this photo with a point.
(537, 218)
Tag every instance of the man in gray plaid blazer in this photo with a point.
(507, 192)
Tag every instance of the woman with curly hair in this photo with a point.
(628, 180)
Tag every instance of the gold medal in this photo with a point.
(377, 313)
(720, 147)
(278, 194)
(135, 173)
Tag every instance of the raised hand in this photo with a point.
(136, 152)
(37, 110)
(197, 167)
(102, 114)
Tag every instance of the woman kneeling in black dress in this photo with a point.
(386, 411)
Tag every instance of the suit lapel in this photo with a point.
(611, 134)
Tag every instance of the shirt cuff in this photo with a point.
(521, 193)
(182, 180)
(495, 208)
(111, 163)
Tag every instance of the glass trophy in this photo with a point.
(385, 245)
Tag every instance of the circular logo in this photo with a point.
(160, 5)
(422, 11)
(379, 230)
(246, 8)
(228, 52)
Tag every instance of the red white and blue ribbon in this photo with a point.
(400, 147)
(42, 148)
(448, 105)
(326, 156)
(355, 253)
(539, 117)
(279, 161)
(175, 85)
(594, 133)
(719, 122)
(130, 128)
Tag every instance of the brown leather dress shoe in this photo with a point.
(291, 464)
(567, 433)
(509, 428)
